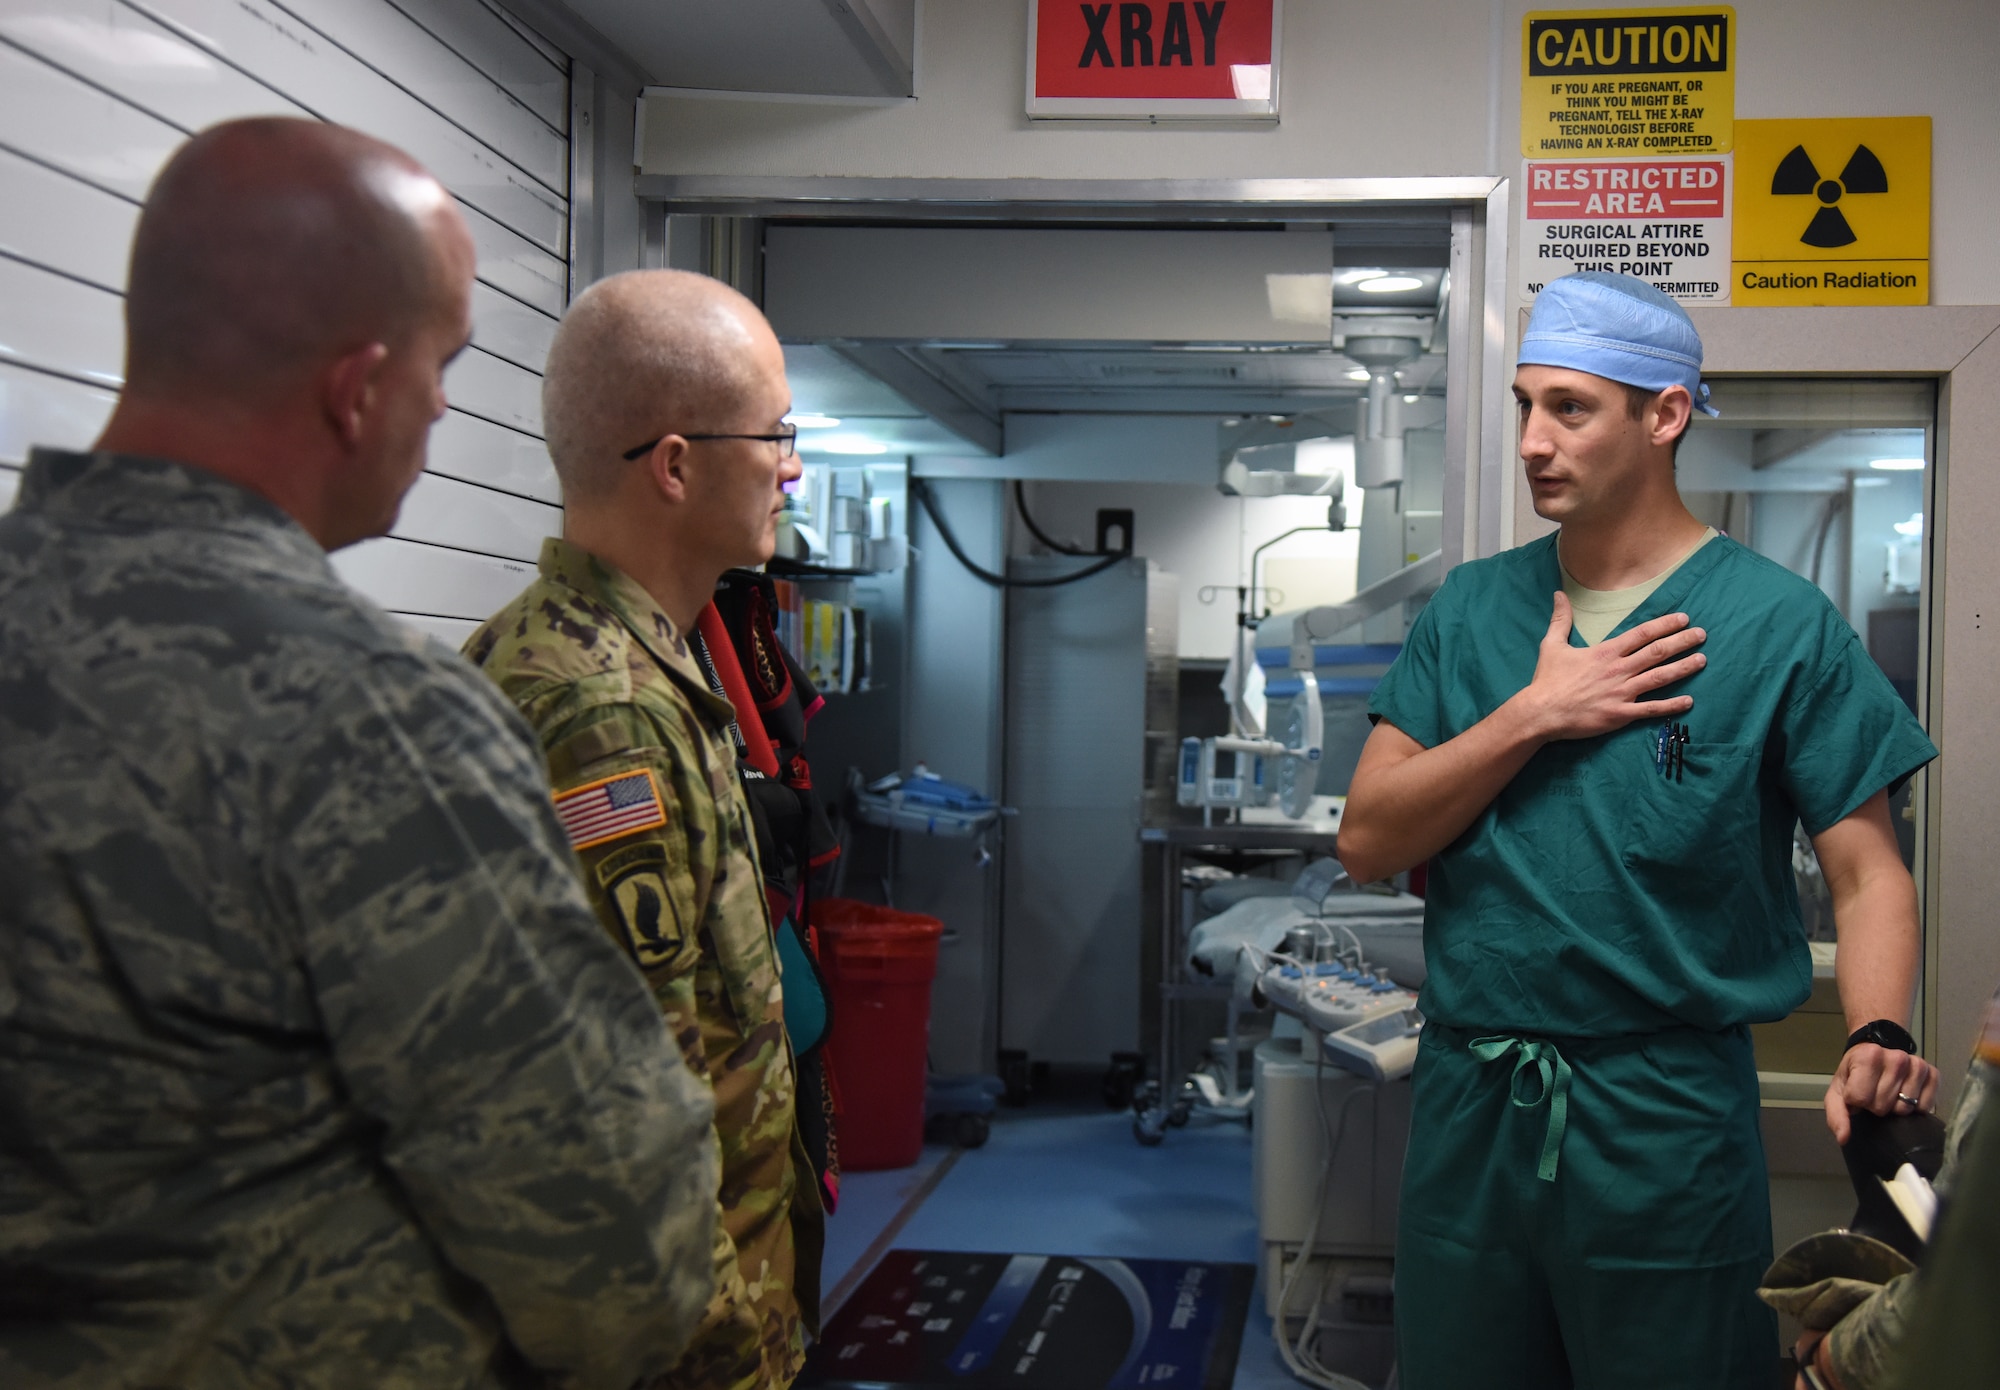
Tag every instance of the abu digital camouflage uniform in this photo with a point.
(315, 1069)
(616, 696)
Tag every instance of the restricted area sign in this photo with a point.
(1665, 221)
(1152, 59)
(1599, 84)
(1834, 211)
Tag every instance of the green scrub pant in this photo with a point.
(1633, 1265)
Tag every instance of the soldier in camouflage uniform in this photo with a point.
(594, 652)
(1869, 1343)
(316, 1069)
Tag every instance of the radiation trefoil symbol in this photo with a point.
(1796, 175)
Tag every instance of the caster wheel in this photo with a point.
(1148, 1131)
(1178, 1116)
(970, 1131)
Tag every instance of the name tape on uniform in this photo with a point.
(1604, 83)
(610, 807)
(1664, 221)
(1833, 211)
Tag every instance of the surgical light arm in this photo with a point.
(1314, 625)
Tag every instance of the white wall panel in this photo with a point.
(450, 631)
(53, 220)
(49, 115)
(10, 483)
(464, 446)
(504, 327)
(509, 261)
(406, 577)
(515, 62)
(39, 409)
(389, 42)
(143, 62)
(483, 385)
(443, 511)
(61, 324)
(56, 119)
(262, 39)
(96, 94)
(163, 55)
(525, 30)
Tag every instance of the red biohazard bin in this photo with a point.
(878, 964)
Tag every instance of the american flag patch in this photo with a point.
(613, 806)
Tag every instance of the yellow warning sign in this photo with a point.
(1834, 211)
(1611, 84)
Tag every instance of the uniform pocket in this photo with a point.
(1694, 825)
(739, 923)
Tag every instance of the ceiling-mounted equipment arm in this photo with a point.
(1313, 625)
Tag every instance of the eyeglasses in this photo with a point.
(786, 439)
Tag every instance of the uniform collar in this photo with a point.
(1665, 599)
(566, 563)
(145, 493)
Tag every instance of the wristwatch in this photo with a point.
(1882, 1033)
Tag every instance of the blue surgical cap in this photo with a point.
(1618, 328)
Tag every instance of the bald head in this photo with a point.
(636, 356)
(269, 247)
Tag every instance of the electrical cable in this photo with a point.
(1304, 1364)
(920, 491)
(1021, 505)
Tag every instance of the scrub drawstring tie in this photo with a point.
(1554, 1074)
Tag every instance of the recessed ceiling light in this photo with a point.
(848, 444)
(1896, 465)
(1358, 374)
(1355, 277)
(810, 420)
(1409, 400)
(1391, 284)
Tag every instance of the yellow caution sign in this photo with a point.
(1612, 84)
(1834, 211)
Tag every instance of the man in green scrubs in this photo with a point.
(1608, 816)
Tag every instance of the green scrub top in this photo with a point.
(1596, 897)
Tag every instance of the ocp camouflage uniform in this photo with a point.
(315, 1069)
(615, 694)
(1868, 1346)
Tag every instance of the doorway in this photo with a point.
(926, 322)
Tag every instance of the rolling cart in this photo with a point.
(1209, 1091)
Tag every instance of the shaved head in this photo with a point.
(637, 355)
(269, 247)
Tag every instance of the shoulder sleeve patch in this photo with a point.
(610, 807)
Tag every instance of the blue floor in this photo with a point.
(1070, 1184)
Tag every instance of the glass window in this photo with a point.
(1830, 478)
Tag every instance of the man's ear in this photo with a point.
(1672, 409)
(667, 465)
(350, 390)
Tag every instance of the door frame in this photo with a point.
(1477, 503)
(1958, 872)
